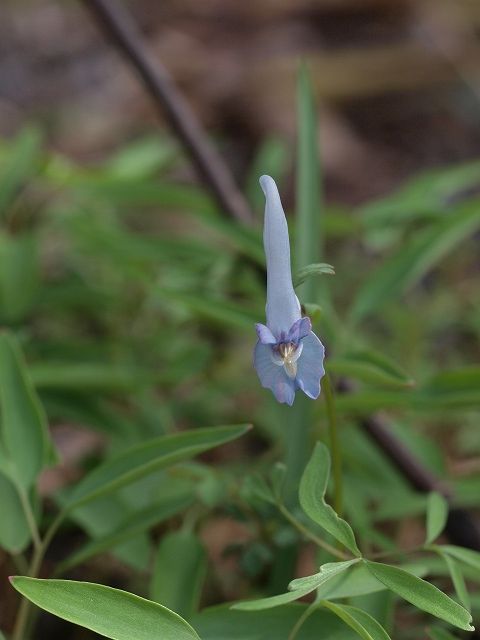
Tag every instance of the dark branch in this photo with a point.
(121, 29)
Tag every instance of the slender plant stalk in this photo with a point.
(311, 536)
(21, 623)
(29, 516)
(298, 625)
(335, 448)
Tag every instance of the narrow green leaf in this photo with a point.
(467, 556)
(145, 458)
(221, 623)
(257, 486)
(87, 376)
(136, 523)
(308, 250)
(359, 582)
(20, 165)
(109, 612)
(317, 269)
(437, 513)
(313, 487)
(421, 594)
(19, 275)
(298, 588)
(458, 581)
(429, 195)
(178, 573)
(360, 621)
(371, 367)
(216, 310)
(24, 426)
(14, 531)
(272, 601)
(414, 260)
(142, 158)
(460, 379)
(327, 571)
(308, 232)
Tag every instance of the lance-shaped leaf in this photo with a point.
(24, 428)
(14, 531)
(421, 594)
(437, 513)
(467, 556)
(136, 523)
(145, 458)
(315, 269)
(360, 621)
(298, 588)
(178, 573)
(109, 612)
(313, 487)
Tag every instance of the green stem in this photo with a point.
(335, 449)
(21, 621)
(311, 536)
(298, 625)
(297, 443)
(29, 515)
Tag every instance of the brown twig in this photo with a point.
(121, 29)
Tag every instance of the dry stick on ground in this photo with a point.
(461, 527)
(121, 29)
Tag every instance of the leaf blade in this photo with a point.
(437, 513)
(313, 486)
(113, 613)
(421, 594)
(360, 621)
(147, 457)
(24, 424)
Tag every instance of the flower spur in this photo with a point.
(288, 355)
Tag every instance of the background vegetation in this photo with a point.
(128, 299)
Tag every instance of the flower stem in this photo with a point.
(297, 443)
(335, 449)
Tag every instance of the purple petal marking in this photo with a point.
(310, 366)
(273, 376)
(264, 334)
(299, 329)
(283, 308)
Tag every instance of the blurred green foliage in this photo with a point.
(134, 299)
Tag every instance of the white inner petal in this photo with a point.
(286, 356)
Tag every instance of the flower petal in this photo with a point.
(283, 308)
(299, 329)
(264, 334)
(272, 376)
(310, 366)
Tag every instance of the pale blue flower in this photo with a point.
(288, 355)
